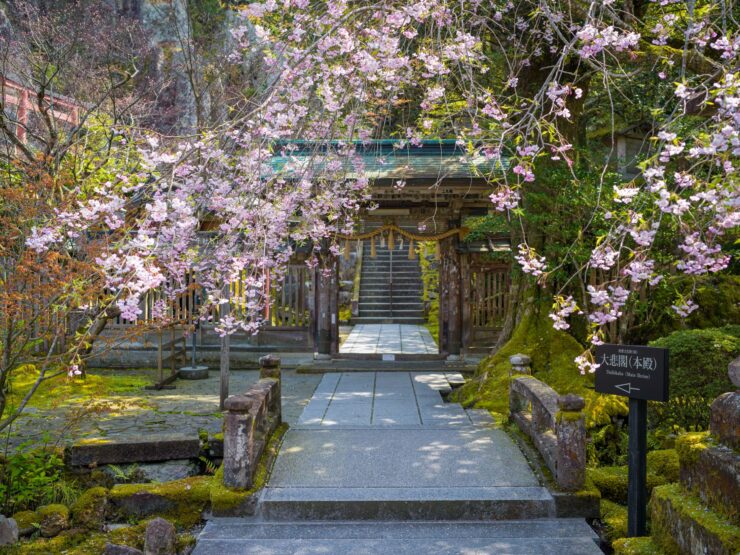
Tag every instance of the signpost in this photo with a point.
(640, 373)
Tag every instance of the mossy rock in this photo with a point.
(182, 501)
(28, 522)
(53, 519)
(78, 541)
(664, 462)
(611, 481)
(636, 546)
(682, 523)
(710, 470)
(552, 353)
(89, 510)
(614, 518)
(690, 446)
(234, 502)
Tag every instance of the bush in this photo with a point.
(29, 478)
(698, 361)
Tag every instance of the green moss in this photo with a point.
(189, 497)
(96, 384)
(614, 518)
(89, 510)
(690, 446)
(568, 416)
(611, 481)
(664, 462)
(636, 546)
(131, 536)
(83, 542)
(225, 499)
(688, 507)
(26, 520)
(53, 519)
(552, 353)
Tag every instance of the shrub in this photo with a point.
(698, 361)
(30, 478)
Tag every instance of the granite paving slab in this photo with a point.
(389, 339)
(542, 536)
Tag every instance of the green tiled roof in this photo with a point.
(392, 159)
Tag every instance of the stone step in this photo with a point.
(386, 278)
(396, 273)
(379, 503)
(394, 320)
(398, 288)
(401, 313)
(520, 537)
(396, 305)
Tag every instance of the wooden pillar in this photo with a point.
(466, 316)
(452, 293)
(327, 301)
(454, 306)
(225, 310)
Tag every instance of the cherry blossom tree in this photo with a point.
(525, 83)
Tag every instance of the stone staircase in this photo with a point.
(390, 287)
(378, 463)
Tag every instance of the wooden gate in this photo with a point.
(485, 299)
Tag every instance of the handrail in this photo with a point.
(555, 424)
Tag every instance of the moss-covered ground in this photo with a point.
(63, 390)
(552, 353)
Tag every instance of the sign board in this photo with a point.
(632, 371)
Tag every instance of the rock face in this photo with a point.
(168, 471)
(724, 422)
(53, 519)
(160, 538)
(8, 531)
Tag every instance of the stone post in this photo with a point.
(520, 364)
(724, 422)
(270, 367)
(238, 438)
(571, 437)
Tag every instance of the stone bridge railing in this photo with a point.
(555, 424)
(249, 421)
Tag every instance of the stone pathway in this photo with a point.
(383, 399)
(389, 339)
(379, 463)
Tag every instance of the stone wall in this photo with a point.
(701, 513)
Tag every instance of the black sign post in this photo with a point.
(640, 373)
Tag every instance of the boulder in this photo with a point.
(89, 510)
(53, 519)
(115, 549)
(8, 531)
(160, 538)
(27, 522)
